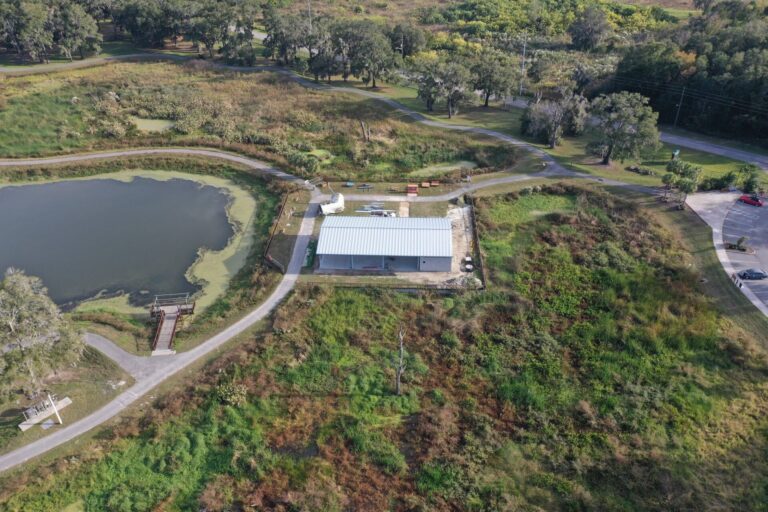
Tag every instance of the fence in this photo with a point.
(470, 200)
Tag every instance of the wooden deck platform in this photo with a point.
(167, 310)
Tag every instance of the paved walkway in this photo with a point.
(150, 374)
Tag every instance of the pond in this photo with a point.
(103, 236)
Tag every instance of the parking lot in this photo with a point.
(751, 222)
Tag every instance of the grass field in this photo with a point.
(91, 384)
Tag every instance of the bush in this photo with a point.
(232, 394)
(307, 163)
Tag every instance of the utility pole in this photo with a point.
(522, 63)
(400, 363)
(679, 106)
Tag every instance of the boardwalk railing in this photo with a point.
(160, 320)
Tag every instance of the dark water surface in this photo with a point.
(85, 237)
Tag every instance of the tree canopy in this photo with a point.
(626, 125)
(34, 338)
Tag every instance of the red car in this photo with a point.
(753, 200)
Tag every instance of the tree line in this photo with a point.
(710, 75)
(38, 29)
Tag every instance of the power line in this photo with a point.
(717, 99)
(695, 93)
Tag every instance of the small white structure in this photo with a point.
(335, 205)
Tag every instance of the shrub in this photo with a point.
(307, 163)
(232, 394)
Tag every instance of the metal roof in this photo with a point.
(386, 236)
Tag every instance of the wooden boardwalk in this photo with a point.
(168, 310)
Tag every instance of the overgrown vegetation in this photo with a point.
(592, 375)
(264, 115)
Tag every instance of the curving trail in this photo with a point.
(147, 372)
(150, 373)
(761, 160)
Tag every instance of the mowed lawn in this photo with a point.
(572, 150)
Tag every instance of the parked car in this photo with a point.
(750, 199)
(753, 274)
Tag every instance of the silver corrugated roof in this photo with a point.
(386, 236)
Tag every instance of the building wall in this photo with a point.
(367, 262)
(435, 264)
(401, 263)
(334, 262)
(376, 263)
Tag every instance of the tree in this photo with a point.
(145, 20)
(686, 177)
(400, 363)
(669, 180)
(455, 79)
(25, 25)
(545, 120)
(548, 120)
(626, 125)
(590, 29)
(407, 39)
(284, 35)
(209, 25)
(371, 55)
(429, 84)
(494, 73)
(74, 30)
(98, 9)
(686, 186)
(34, 337)
(749, 177)
(238, 47)
(323, 60)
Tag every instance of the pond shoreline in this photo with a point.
(211, 270)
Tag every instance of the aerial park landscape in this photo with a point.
(383, 256)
